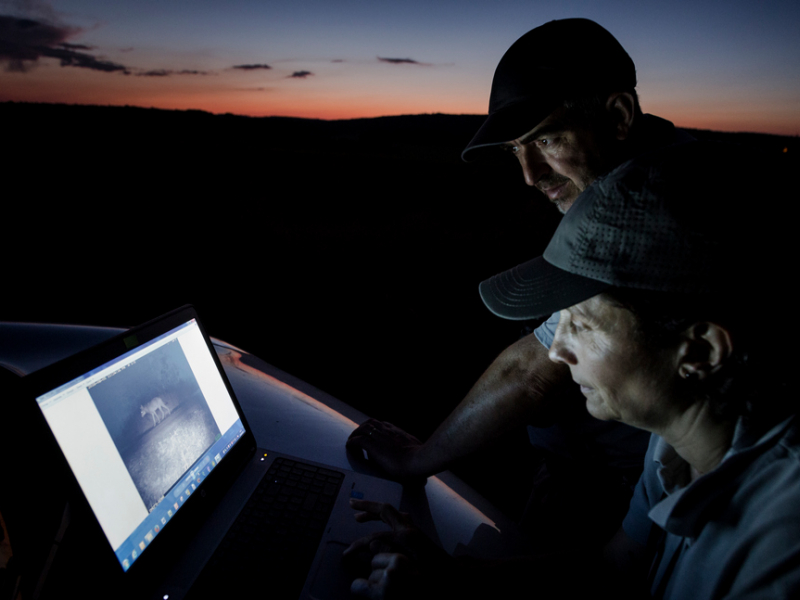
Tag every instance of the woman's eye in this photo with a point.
(578, 326)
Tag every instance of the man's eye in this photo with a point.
(513, 148)
(544, 141)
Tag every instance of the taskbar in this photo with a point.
(132, 548)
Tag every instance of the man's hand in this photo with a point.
(516, 389)
(389, 447)
(403, 562)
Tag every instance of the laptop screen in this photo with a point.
(142, 431)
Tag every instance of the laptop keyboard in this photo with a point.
(275, 537)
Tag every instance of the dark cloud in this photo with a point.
(168, 72)
(24, 41)
(70, 58)
(69, 46)
(400, 61)
(155, 73)
(251, 67)
(301, 74)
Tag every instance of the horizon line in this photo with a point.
(228, 113)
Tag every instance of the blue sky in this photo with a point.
(731, 65)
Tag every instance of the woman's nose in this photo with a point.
(559, 352)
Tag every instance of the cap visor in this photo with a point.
(536, 289)
(505, 125)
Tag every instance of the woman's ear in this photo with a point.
(622, 107)
(705, 348)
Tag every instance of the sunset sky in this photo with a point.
(731, 65)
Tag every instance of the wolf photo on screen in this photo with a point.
(158, 419)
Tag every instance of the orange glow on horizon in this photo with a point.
(311, 99)
(219, 95)
(749, 122)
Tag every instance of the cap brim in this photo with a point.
(536, 289)
(507, 124)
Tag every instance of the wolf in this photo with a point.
(151, 408)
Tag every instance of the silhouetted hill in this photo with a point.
(346, 252)
(358, 244)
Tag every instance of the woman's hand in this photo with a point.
(403, 562)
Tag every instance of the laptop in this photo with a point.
(170, 496)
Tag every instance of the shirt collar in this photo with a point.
(688, 504)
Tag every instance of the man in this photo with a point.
(563, 102)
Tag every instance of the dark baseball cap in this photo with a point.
(556, 61)
(676, 220)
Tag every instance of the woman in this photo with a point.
(657, 277)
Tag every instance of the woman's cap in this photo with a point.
(681, 219)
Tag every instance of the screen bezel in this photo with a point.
(166, 547)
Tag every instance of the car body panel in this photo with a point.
(293, 417)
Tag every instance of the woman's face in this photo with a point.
(622, 378)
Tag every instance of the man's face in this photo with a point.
(561, 158)
(621, 376)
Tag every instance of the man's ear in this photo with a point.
(622, 107)
(705, 348)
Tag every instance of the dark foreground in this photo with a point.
(348, 253)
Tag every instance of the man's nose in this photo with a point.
(533, 166)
